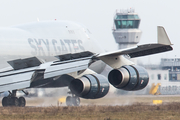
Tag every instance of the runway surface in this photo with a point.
(109, 100)
(111, 107)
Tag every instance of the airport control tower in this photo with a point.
(126, 28)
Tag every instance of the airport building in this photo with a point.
(167, 73)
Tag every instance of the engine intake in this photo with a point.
(90, 86)
(129, 78)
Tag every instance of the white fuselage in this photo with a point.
(44, 40)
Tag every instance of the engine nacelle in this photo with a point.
(90, 86)
(129, 78)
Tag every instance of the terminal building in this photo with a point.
(167, 73)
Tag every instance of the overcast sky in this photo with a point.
(97, 15)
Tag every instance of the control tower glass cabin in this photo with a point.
(126, 29)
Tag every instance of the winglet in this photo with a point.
(162, 36)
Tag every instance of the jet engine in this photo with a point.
(129, 78)
(90, 86)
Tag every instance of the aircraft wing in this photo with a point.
(163, 45)
(26, 71)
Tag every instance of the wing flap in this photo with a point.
(70, 56)
(15, 86)
(24, 63)
(59, 68)
(18, 80)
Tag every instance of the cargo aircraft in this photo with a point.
(53, 54)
